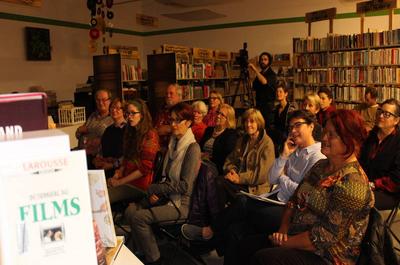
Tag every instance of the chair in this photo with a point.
(390, 220)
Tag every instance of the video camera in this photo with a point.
(243, 58)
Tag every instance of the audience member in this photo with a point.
(279, 130)
(199, 127)
(246, 168)
(312, 103)
(215, 102)
(168, 200)
(220, 140)
(249, 216)
(380, 155)
(140, 147)
(368, 109)
(89, 134)
(326, 97)
(326, 218)
(111, 141)
(162, 121)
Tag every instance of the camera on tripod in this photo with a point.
(243, 59)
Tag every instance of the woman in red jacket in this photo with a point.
(140, 146)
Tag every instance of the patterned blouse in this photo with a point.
(334, 208)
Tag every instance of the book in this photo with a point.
(264, 197)
(112, 253)
(45, 213)
(101, 209)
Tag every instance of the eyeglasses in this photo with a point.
(131, 113)
(213, 98)
(296, 125)
(176, 121)
(115, 108)
(222, 114)
(386, 114)
(104, 100)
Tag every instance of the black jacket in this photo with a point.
(377, 246)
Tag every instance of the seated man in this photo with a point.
(247, 216)
(380, 155)
(368, 109)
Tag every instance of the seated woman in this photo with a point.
(111, 142)
(279, 129)
(220, 140)
(380, 155)
(140, 147)
(215, 101)
(312, 103)
(246, 168)
(168, 200)
(326, 96)
(199, 127)
(326, 218)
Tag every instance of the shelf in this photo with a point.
(201, 79)
(346, 66)
(134, 81)
(347, 84)
(382, 47)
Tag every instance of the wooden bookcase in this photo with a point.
(347, 64)
(196, 70)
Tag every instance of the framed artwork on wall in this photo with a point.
(37, 44)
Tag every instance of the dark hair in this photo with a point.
(327, 91)
(349, 125)
(133, 136)
(270, 58)
(282, 84)
(395, 102)
(306, 115)
(115, 101)
(372, 91)
(183, 110)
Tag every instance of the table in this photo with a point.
(126, 257)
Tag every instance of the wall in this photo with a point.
(71, 61)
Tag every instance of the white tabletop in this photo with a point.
(126, 257)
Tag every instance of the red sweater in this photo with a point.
(150, 147)
(198, 131)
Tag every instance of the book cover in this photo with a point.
(101, 208)
(45, 210)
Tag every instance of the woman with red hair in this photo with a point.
(326, 218)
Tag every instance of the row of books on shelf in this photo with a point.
(350, 94)
(201, 71)
(131, 73)
(190, 92)
(349, 58)
(376, 75)
(354, 41)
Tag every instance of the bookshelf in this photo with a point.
(348, 64)
(120, 71)
(196, 70)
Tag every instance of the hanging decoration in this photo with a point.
(101, 15)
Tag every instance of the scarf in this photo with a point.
(174, 158)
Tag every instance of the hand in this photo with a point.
(114, 182)
(117, 174)
(82, 129)
(278, 239)
(252, 67)
(233, 177)
(288, 147)
(153, 199)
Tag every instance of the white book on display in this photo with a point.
(264, 197)
(45, 211)
(33, 143)
(101, 208)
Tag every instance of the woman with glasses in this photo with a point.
(199, 112)
(111, 142)
(326, 218)
(168, 200)
(380, 155)
(140, 146)
(215, 101)
(219, 141)
(89, 134)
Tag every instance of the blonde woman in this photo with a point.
(220, 140)
(246, 168)
(312, 103)
(215, 102)
(198, 126)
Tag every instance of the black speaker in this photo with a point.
(85, 99)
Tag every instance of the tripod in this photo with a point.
(244, 79)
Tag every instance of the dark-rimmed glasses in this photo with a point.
(296, 125)
(131, 113)
(386, 114)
